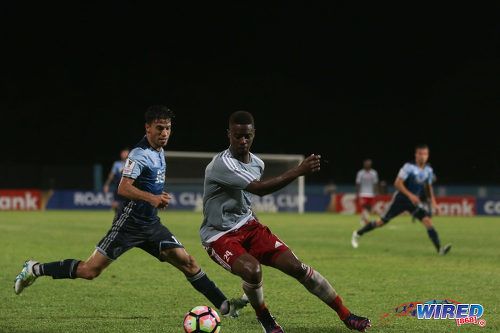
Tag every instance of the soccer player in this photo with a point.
(114, 177)
(236, 240)
(136, 223)
(410, 182)
(366, 187)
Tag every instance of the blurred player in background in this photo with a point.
(410, 182)
(425, 195)
(236, 240)
(366, 188)
(136, 223)
(114, 177)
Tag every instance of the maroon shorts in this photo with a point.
(253, 238)
(366, 201)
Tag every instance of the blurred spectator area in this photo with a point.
(32, 176)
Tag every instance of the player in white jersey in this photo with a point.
(236, 240)
(366, 188)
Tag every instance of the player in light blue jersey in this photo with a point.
(136, 222)
(114, 177)
(412, 180)
(236, 240)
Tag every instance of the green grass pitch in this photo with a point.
(394, 265)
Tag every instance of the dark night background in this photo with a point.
(348, 80)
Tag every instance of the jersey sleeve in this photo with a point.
(431, 176)
(228, 173)
(135, 163)
(375, 177)
(404, 171)
(358, 177)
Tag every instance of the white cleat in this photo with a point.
(354, 239)
(26, 277)
(444, 250)
(235, 305)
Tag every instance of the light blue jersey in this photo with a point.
(147, 166)
(415, 178)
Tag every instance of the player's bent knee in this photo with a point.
(190, 265)
(250, 272)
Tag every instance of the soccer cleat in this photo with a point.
(354, 322)
(354, 239)
(235, 305)
(444, 250)
(269, 324)
(26, 277)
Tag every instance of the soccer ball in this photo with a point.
(202, 319)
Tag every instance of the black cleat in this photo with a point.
(354, 322)
(269, 324)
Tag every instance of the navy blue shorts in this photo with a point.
(127, 233)
(400, 204)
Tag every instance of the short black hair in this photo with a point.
(155, 112)
(421, 146)
(241, 118)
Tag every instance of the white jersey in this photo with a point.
(367, 180)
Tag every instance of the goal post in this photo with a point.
(186, 172)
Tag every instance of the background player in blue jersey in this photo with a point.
(410, 182)
(114, 177)
(136, 223)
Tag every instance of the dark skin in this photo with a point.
(247, 266)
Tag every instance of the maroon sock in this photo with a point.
(341, 310)
(261, 310)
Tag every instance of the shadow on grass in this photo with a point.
(315, 329)
(95, 317)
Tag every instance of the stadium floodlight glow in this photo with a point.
(188, 168)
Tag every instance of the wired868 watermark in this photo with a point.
(462, 313)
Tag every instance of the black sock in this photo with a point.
(204, 285)
(64, 269)
(370, 226)
(433, 235)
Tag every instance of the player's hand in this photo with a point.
(310, 164)
(435, 206)
(414, 199)
(106, 189)
(161, 200)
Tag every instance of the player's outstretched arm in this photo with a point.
(400, 186)
(128, 190)
(262, 187)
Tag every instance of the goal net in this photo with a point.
(186, 172)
